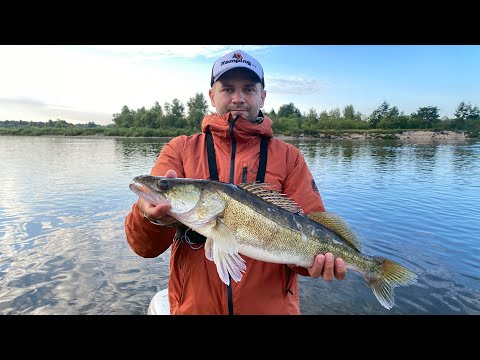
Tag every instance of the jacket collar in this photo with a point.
(244, 130)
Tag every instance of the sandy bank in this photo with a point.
(413, 136)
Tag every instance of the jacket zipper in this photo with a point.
(234, 149)
(232, 179)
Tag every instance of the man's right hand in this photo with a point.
(157, 212)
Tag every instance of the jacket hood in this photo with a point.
(244, 129)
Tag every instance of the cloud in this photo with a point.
(150, 52)
(293, 85)
(29, 109)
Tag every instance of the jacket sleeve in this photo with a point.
(301, 187)
(146, 239)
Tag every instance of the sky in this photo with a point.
(90, 83)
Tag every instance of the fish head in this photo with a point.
(183, 195)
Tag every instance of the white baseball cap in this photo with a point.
(236, 59)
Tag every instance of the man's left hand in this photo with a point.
(327, 267)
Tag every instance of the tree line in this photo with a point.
(290, 120)
(173, 119)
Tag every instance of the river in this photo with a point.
(64, 199)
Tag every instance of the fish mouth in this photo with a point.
(146, 192)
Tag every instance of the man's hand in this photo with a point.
(327, 267)
(154, 212)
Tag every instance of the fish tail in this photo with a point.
(389, 276)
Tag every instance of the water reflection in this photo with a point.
(130, 147)
(63, 248)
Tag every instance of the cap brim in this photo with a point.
(257, 78)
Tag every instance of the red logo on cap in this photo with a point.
(238, 56)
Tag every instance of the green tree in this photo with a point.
(195, 118)
(462, 111)
(334, 113)
(174, 115)
(149, 119)
(177, 110)
(289, 110)
(312, 115)
(428, 116)
(167, 108)
(467, 112)
(310, 119)
(198, 102)
(466, 118)
(349, 112)
(197, 109)
(168, 121)
(124, 119)
(157, 109)
(139, 117)
(378, 114)
(156, 113)
(324, 120)
(271, 113)
(60, 123)
(390, 119)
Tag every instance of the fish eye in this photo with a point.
(163, 185)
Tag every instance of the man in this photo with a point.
(236, 145)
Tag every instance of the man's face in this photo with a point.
(238, 92)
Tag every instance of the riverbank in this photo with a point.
(406, 136)
(413, 136)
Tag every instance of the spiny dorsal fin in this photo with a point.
(265, 192)
(338, 225)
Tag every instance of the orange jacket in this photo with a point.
(194, 286)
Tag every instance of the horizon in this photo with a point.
(90, 83)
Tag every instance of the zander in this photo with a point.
(258, 221)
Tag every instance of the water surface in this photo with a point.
(63, 202)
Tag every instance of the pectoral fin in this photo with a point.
(209, 249)
(221, 247)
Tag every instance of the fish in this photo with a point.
(259, 221)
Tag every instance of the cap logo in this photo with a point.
(236, 58)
